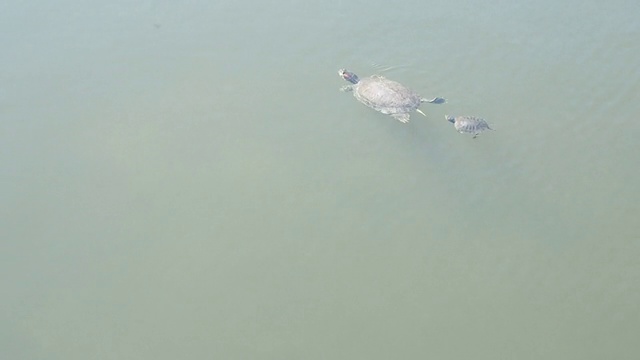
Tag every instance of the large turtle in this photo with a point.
(384, 95)
(468, 124)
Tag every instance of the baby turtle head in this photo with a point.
(349, 76)
(450, 118)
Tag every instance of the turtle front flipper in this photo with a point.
(346, 88)
(403, 118)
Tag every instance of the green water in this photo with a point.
(185, 181)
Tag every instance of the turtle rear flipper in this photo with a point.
(435, 100)
(403, 118)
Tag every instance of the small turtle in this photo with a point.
(468, 124)
(384, 95)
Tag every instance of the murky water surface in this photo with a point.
(184, 180)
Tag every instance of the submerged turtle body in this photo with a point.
(386, 96)
(468, 124)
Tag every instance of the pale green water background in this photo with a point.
(183, 180)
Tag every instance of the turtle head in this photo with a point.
(450, 118)
(349, 76)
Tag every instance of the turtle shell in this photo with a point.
(386, 96)
(469, 124)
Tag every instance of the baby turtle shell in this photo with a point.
(468, 124)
